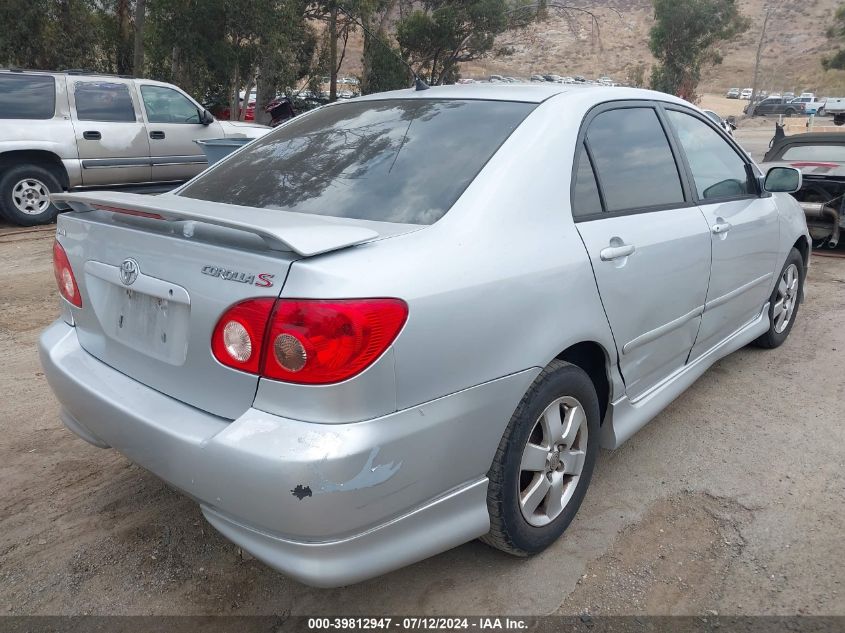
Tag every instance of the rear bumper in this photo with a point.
(329, 504)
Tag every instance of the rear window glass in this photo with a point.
(27, 96)
(404, 160)
(102, 101)
(827, 152)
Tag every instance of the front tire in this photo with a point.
(784, 302)
(25, 194)
(544, 462)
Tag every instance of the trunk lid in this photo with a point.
(153, 288)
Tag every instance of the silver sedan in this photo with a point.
(410, 320)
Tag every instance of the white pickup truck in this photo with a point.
(836, 108)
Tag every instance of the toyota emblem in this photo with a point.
(129, 271)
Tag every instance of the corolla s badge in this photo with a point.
(262, 280)
(129, 271)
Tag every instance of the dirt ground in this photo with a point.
(731, 501)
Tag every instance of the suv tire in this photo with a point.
(24, 194)
(562, 463)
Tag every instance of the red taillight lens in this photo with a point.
(238, 337)
(64, 276)
(307, 341)
(324, 341)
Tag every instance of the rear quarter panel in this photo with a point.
(500, 284)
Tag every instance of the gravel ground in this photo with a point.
(731, 501)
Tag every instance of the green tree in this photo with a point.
(836, 32)
(684, 40)
(440, 34)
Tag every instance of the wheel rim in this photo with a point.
(787, 298)
(552, 461)
(31, 196)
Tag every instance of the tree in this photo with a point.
(441, 34)
(138, 48)
(684, 39)
(837, 32)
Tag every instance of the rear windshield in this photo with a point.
(405, 160)
(27, 96)
(824, 152)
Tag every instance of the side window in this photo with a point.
(718, 171)
(633, 160)
(103, 101)
(585, 190)
(165, 105)
(27, 96)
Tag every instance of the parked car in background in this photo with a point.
(788, 95)
(339, 410)
(821, 159)
(733, 93)
(835, 107)
(811, 105)
(63, 131)
(775, 106)
(746, 93)
(538, 78)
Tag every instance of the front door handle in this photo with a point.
(91, 135)
(721, 227)
(616, 252)
(157, 134)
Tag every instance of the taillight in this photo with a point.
(64, 276)
(323, 341)
(238, 338)
(307, 341)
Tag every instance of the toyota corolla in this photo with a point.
(403, 322)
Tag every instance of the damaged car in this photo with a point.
(402, 322)
(821, 159)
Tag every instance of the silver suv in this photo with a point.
(64, 131)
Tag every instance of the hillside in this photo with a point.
(795, 44)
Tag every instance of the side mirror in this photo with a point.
(206, 118)
(783, 180)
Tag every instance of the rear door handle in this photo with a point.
(616, 252)
(91, 135)
(157, 134)
(721, 227)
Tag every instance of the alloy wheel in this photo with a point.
(31, 196)
(787, 298)
(552, 461)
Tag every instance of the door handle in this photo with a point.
(157, 134)
(721, 227)
(616, 252)
(92, 135)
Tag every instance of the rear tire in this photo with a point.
(544, 462)
(784, 302)
(24, 194)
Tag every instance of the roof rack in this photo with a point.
(66, 71)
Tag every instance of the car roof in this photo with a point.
(525, 92)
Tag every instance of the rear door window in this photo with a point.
(397, 160)
(586, 200)
(103, 101)
(633, 160)
(27, 96)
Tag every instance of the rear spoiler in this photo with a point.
(302, 233)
